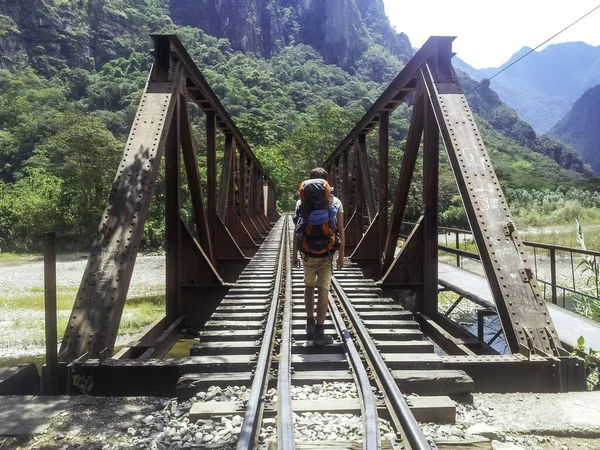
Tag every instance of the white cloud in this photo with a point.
(489, 33)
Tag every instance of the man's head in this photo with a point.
(318, 172)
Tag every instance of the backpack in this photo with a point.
(316, 220)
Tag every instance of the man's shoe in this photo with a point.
(322, 339)
(310, 330)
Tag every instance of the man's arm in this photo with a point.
(340, 225)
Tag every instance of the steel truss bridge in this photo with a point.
(234, 209)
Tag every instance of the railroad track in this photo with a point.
(256, 339)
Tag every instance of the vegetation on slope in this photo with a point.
(64, 117)
(580, 128)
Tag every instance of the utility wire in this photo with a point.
(532, 50)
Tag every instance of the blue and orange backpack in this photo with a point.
(316, 220)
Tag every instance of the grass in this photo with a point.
(182, 348)
(566, 237)
(15, 259)
(22, 330)
(38, 360)
(34, 299)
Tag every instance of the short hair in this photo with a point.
(318, 172)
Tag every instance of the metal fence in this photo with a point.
(569, 276)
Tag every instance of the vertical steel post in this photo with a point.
(345, 187)
(409, 160)
(51, 371)
(367, 182)
(173, 219)
(358, 193)
(431, 161)
(190, 158)
(211, 175)
(457, 247)
(242, 187)
(553, 274)
(226, 175)
(384, 145)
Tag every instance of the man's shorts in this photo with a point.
(318, 272)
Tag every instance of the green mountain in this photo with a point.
(580, 128)
(543, 86)
(488, 105)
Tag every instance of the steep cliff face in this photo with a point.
(341, 30)
(373, 13)
(52, 35)
(39, 33)
(254, 26)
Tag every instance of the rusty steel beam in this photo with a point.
(523, 313)
(441, 109)
(172, 228)
(211, 175)
(431, 163)
(517, 373)
(398, 90)
(227, 175)
(345, 181)
(384, 150)
(190, 159)
(94, 322)
(365, 175)
(203, 95)
(161, 125)
(407, 169)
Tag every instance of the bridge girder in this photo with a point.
(440, 109)
(228, 229)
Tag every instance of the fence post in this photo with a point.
(457, 234)
(51, 371)
(553, 274)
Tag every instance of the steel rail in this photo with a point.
(255, 406)
(411, 428)
(371, 435)
(285, 419)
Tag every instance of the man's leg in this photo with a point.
(322, 302)
(310, 279)
(309, 301)
(323, 284)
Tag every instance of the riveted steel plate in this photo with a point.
(94, 322)
(506, 263)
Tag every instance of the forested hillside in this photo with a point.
(543, 86)
(580, 128)
(72, 74)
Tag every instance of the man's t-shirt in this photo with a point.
(336, 202)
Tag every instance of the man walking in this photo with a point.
(319, 223)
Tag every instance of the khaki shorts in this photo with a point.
(318, 272)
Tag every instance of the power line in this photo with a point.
(533, 50)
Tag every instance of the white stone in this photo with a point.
(149, 420)
(485, 430)
(497, 445)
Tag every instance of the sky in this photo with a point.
(489, 33)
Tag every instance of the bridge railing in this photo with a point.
(561, 270)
